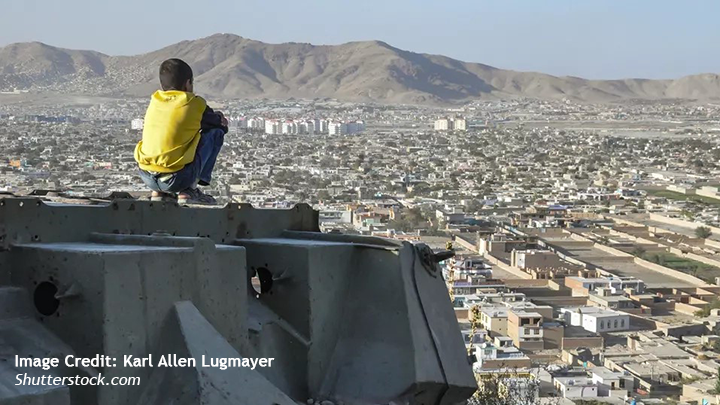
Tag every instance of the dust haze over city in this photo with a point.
(526, 194)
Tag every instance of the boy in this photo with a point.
(181, 139)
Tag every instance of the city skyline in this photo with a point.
(589, 40)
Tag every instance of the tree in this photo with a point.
(703, 232)
(639, 251)
(507, 387)
(714, 304)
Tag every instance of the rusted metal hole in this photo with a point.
(44, 298)
(261, 281)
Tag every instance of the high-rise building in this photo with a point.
(443, 124)
(450, 124)
(337, 128)
(323, 126)
(355, 127)
(272, 127)
(289, 128)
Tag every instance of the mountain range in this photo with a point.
(230, 66)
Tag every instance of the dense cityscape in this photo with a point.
(586, 236)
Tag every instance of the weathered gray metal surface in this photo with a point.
(22, 334)
(354, 319)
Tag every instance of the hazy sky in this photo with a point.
(588, 38)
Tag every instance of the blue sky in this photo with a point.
(588, 38)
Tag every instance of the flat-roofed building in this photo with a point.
(596, 319)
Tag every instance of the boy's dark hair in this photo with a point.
(174, 73)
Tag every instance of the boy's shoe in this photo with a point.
(162, 197)
(195, 196)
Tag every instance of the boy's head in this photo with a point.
(175, 74)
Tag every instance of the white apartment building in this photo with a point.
(137, 124)
(272, 127)
(596, 319)
(289, 128)
(442, 124)
(337, 128)
(256, 124)
(451, 124)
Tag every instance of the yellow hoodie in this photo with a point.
(171, 131)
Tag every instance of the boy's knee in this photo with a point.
(217, 135)
(149, 181)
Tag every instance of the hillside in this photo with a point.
(230, 66)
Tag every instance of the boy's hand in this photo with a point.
(223, 120)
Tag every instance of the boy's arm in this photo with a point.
(212, 120)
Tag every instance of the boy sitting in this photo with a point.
(181, 139)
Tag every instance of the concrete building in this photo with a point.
(494, 320)
(443, 124)
(137, 124)
(289, 128)
(273, 127)
(575, 387)
(616, 285)
(608, 381)
(596, 319)
(500, 354)
(524, 329)
(450, 124)
(337, 128)
(535, 259)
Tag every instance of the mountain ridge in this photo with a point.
(230, 66)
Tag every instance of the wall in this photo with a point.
(552, 337)
(709, 194)
(680, 222)
(466, 243)
(642, 322)
(673, 273)
(561, 301)
(515, 283)
(685, 330)
(541, 260)
(512, 270)
(693, 256)
(652, 266)
(569, 343)
(687, 309)
(462, 314)
(507, 363)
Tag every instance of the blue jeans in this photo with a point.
(199, 170)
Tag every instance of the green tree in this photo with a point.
(703, 232)
(639, 251)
